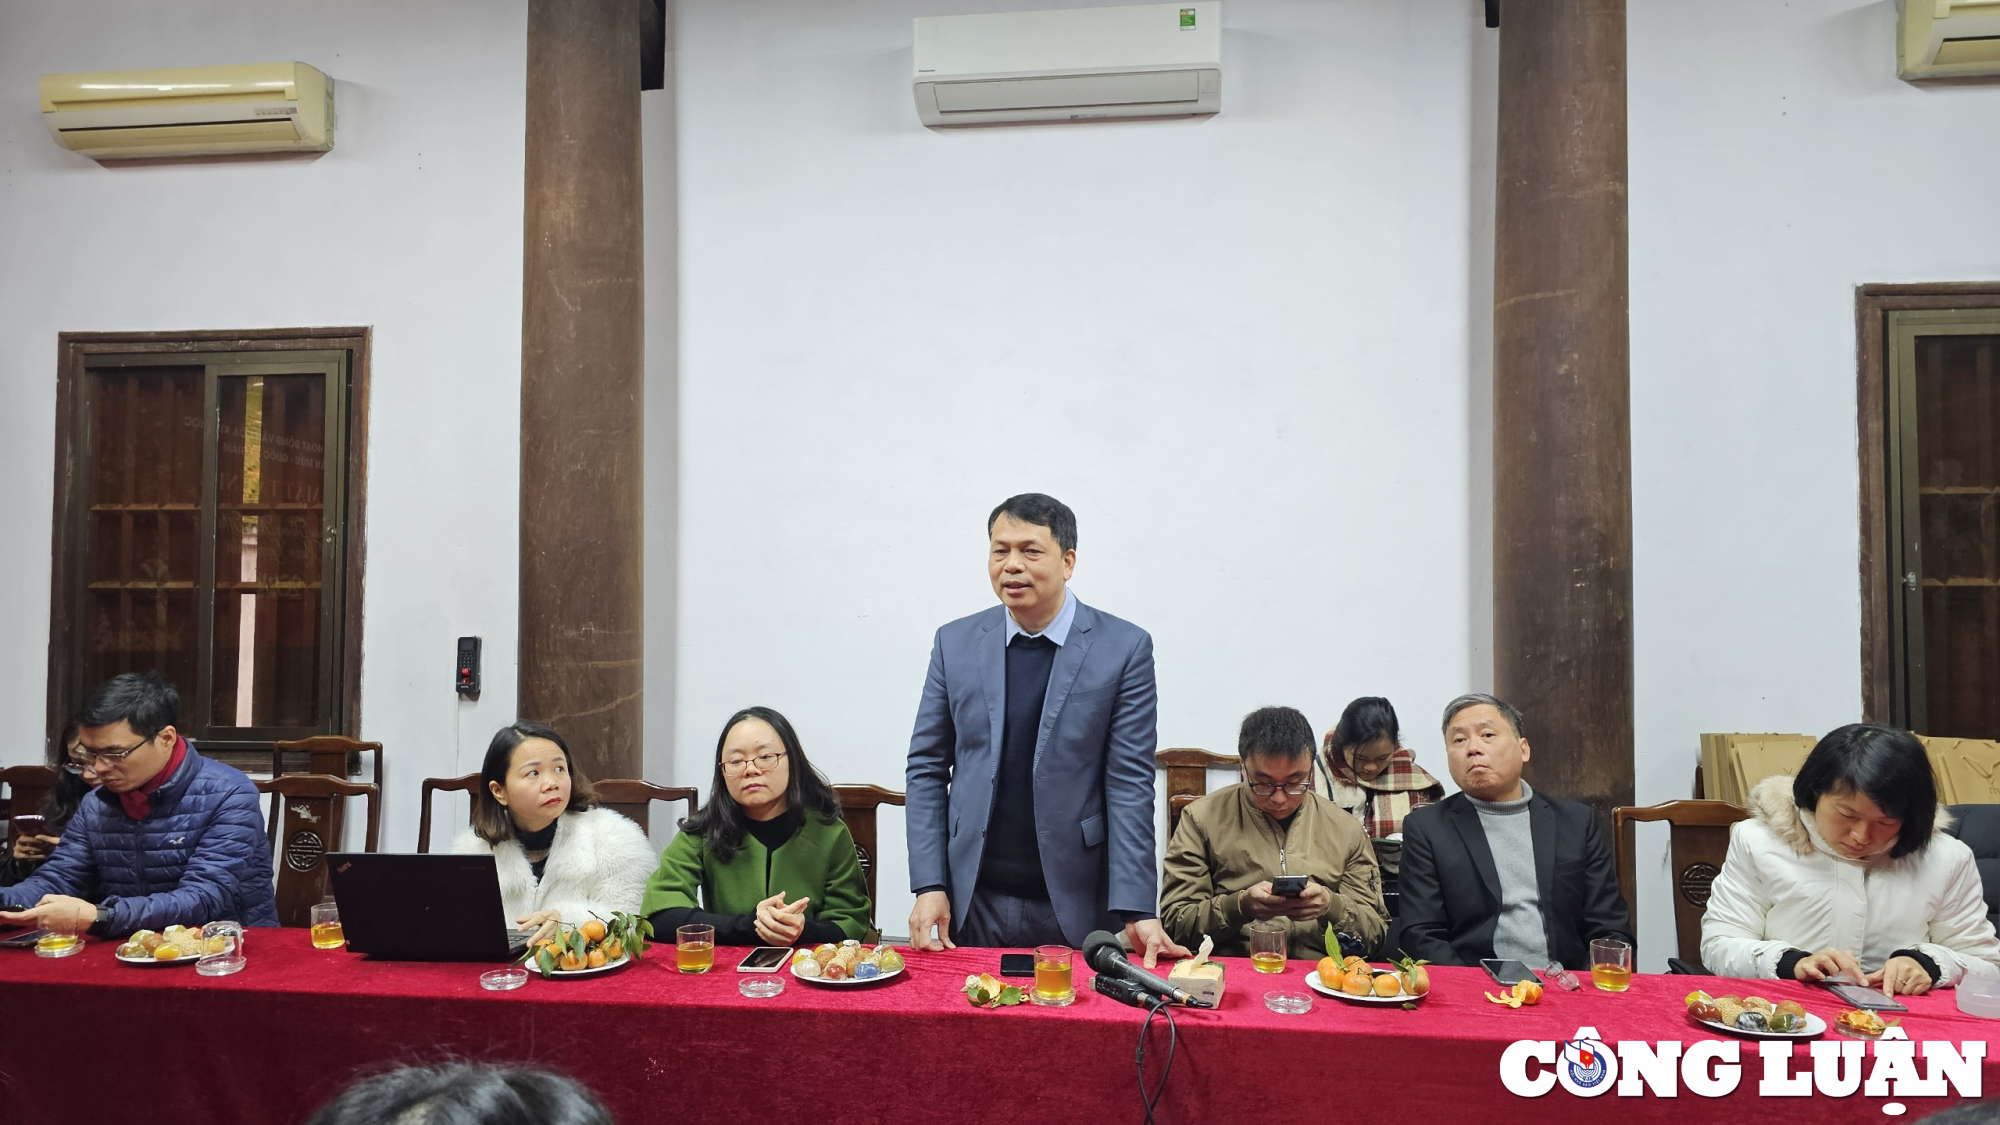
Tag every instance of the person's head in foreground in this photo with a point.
(1276, 748)
(1869, 790)
(464, 1094)
(125, 731)
(527, 781)
(1031, 554)
(1486, 745)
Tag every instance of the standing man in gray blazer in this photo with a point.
(1031, 768)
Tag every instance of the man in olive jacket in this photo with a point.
(1232, 844)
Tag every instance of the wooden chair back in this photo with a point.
(1698, 842)
(467, 784)
(26, 787)
(311, 808)
(1187, 777)
(634, 799)
(858, 804)
(326, 754)
(1967, 769)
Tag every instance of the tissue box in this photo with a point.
(1203, 981)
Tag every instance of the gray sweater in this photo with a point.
(1519, 933)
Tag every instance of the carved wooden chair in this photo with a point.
(634, 799)
(468, 784)
(1698, 842)
(310, 806)
(1187, 777)
(858, 804)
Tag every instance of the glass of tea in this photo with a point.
(1610, 964)
(1053, 985)
(1267, 945)
(326, 931)
(694, 948)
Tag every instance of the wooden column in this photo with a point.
(1562, 492)
(582, 333)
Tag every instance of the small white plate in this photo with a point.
(1814, 1028)
(183, 959)
(1319, 986)
(847, 982)
(570, 974)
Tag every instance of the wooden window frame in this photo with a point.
(75, 352)
(1879, 551)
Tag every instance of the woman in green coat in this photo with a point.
(767, 861)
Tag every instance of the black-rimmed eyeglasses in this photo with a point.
(765, 763)
(100, 760)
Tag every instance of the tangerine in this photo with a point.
(1388, 984)
(1330, 972)
(593, 930)
(596, 959)
(1358, 983)
(569, 962)
(614, 949)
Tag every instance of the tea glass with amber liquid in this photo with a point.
(1267, 946)
(694, 948)
(1610, 964)
(1054, 984)
(326, 931)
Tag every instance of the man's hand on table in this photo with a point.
(1150, 938)
(933, 909)
(60, 913)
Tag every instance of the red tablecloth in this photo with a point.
(272, 1042)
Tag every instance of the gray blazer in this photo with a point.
(1093, 767)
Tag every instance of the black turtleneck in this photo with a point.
(537, 843)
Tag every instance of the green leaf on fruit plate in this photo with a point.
(1011, 995)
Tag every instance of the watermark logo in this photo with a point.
(1586, 1065)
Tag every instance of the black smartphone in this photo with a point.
(1861, 996)
(24, 940)
(1017, 964)
(1506, 972)
(29, 824)
(1288, 886)
(764, 959)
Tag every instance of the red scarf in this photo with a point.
(139, 802)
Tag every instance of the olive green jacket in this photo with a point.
(819, 863)
(1225, 845)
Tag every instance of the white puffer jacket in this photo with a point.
(598, 863)
(1783, 888)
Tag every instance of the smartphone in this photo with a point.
(29, 824)
(764, 959)
(1861, 996)
(24, 940)
(1017, 964)
(1507, 972)
(1288, 886)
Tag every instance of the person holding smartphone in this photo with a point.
(767, 861)
(37, 834)
(1846, 872)
(1269, 847)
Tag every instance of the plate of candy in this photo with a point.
(848, 963)
(1753, 1017)
(175, 945)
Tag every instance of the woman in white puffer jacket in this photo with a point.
(1847, 871)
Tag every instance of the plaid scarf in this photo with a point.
(1382, 802)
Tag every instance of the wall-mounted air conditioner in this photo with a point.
(196, 111)
(1079, 64)
(1948, 38)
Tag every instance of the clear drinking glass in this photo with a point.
(1053, 981)
(694, 949)
(326, 931)
(1267, 945)
(221, 949)
(1610, 964)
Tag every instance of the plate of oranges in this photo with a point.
(590, 948)
(175, 945)
(1357, 982)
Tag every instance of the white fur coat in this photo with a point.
(1783, 888)
(598, 863)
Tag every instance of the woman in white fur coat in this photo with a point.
(1847, 871)
(561, 857)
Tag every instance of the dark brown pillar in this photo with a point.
(582, 334)
(1562, 456)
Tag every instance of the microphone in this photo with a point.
(1123, 991)
(1101, 953)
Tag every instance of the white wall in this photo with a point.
(1773, 168)
(412, 225)
(1237, 347)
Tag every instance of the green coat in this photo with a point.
(819, 863)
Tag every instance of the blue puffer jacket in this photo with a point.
(199, 856)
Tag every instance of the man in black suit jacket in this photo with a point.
(1497, 869)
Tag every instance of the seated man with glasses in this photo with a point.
(767, 861)
(167, 838)
(1227, 863)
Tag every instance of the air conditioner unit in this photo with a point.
(1949, 38)
(1079, 64)
(197, 111)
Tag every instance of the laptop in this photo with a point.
(423, 907)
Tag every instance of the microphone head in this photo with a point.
(1101, 948)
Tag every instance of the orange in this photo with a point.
(1387, 985)
(1354, 959)
(614, 949)
(596, 958)
(593, 930)
(1358, 984)
(569, 961)
(1529, 991)
(1330, 972)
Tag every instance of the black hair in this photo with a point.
(722, 824)
(1366, 720)
(490, 818)
(1278, 732)
(1477, 699)
(144, 700)
(464, 1094)
(1887, 765)
(1042, 511)
(59, 805)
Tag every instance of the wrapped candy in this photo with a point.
(891, 962)
(808, 968)
(825, 953)
(867, 970)
(1752, 1020)
(848, 957)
